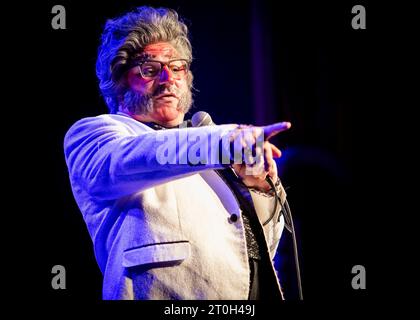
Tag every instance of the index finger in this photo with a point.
(273, 129)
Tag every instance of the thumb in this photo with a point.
(276, 151)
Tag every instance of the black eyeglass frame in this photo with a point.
(139, 63)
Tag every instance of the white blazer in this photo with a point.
(160, 231)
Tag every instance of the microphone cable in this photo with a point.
(288, 221)
(202, 118)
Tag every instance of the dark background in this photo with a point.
(255, 62)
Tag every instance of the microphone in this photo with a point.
(201, 118)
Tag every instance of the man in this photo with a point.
(165, 226)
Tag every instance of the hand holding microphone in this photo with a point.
(252, 152)
(259, 153)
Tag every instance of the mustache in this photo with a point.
(140, 103)
(163, 89)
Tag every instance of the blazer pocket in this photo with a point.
(157, 254)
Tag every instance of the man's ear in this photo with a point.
(190, 79)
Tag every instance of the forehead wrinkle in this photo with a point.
(164, 50)
(146, 56)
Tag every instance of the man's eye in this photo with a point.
(149, 70)
(177, 69)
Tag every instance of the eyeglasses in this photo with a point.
(150, 69)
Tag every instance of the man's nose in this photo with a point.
(166, 75)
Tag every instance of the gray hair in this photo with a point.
(125, 37)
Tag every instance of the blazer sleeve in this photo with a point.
(109, 159)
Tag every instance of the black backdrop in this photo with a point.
(254, 62)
